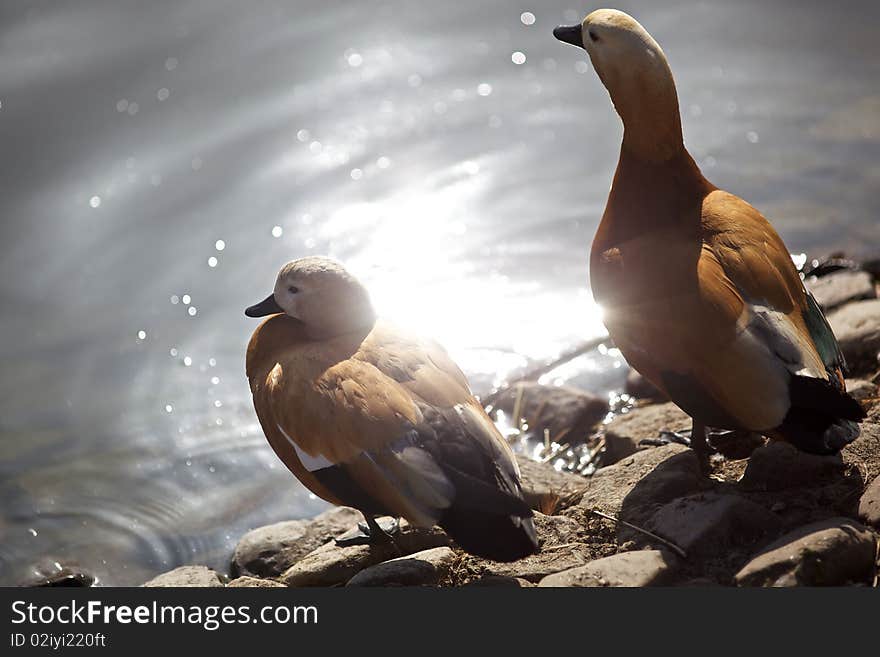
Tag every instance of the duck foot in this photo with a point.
(714, 437)
(682, 437)
(696, 439)
(371, 532)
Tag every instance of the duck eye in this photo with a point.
(293, 289)
(593, 37)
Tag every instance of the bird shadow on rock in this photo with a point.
(719, 525)
(675, 477)
(798, 487)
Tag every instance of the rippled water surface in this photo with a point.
(161, 160)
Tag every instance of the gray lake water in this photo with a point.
(161, 159)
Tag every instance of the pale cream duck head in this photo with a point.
(635, 72)
(319, 292)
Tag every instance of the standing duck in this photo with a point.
(372, 418)
(698, 291)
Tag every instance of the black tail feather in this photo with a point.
(822, 395)
(489, 521)
(822, 419)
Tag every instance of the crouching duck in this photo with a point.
(369, 417)
(698, 290)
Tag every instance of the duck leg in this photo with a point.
(682, 437)
(371, 532)
(696, 439)
(699, 443)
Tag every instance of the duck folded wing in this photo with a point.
(776, 309)
(396, 431)
(420, 366)
(782, 345)
(353, 429)
(488, 516)
(455, 429)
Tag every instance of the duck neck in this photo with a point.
(648, 107)
(342, 320)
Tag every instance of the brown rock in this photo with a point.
(331, 564)
(869, 504)
(857, 327)
(568, 413)
(623, 433)
(780, 465)
(639, 387)
(633, 487)
(187, 576)
(832, 552)
(841, 287)
(637, 568)
(269, 551)
(254, 583)
(425, 568)
(709, 523)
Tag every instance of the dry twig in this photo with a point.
(672, 546)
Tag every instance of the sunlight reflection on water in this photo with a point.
(454, 156)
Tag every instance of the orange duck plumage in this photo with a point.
(698, 290)
(367, 416)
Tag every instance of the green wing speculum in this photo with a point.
(823, 338)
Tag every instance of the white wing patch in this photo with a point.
(310, 463)
(777, 334)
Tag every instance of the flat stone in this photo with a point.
(254, 583)
(709, 523)
(425, 568)
(633, 487)
(780, 465)
(832, 552)
(269, 551)
(841, 287)
(636, 568)
(869, 504)
(330, 564)
(623, 433)
(568, 413)
(544, 486)
(639, 387)
(857, 327)
(187, 576)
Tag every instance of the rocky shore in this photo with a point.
(768, 515)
